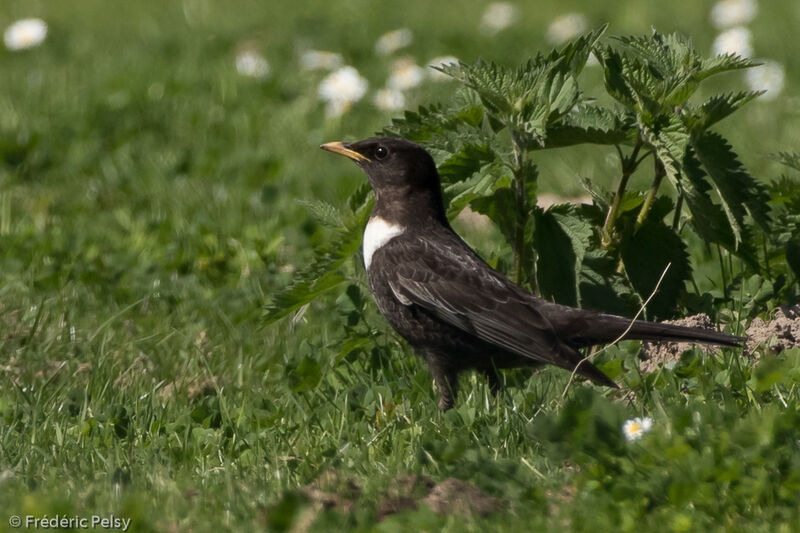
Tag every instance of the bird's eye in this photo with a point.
(381, 152)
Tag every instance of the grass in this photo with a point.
(147, 212)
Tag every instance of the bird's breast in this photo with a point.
(377, 233)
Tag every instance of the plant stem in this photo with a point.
(766, 258)
(629, 165)
(520, 200)
(677, 218)
(722, 269)
(651, 194)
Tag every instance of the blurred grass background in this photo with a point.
(148, 208)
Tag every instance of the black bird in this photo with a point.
(454, 309)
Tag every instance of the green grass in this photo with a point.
(148, 210)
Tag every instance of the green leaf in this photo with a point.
(530, 99)
(560, 238)
(668, 138)
(323, 274)
(359, 200)
(708, 219)
(500, 207)
(616, 69)
(324, 212)
(724, 63)
(459, 194)
(716, 108)
(305, 376)
(770, 372)
(646, 254)
(602, 288)
(789, 159)
(793, 257)
(738, 191)
(465, 162)
(591, 124)
(421, 125)
(575, 53)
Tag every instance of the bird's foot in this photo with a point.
(495, 383)
(447, 383)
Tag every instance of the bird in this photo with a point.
(453, 309)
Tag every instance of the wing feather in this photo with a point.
(460, 289)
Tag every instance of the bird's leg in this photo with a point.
(493, 375)
(447, 383)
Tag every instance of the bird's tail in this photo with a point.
(650, 331)
(580, 327)
(615, 326)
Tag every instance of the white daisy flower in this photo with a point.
(438, 62)
(565, 27)
(405, 75)
(320, 60)
(251, 63)
(767, 77)
(736, 40)
(25, 33)
(498, 16)
(634, 428)
(727, 13)
(389, 100)
(341, 88)
(391, 42)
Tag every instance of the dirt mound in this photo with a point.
(335, 490)
(776, 335)
(451, 496)
(454, 496)
(779, 334)
(655, 354)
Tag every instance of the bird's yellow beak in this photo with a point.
(339, 148)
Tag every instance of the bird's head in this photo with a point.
(402, 174)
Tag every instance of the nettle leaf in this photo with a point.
(789, 159)
(528, 100)
(561, 238)
(716, 108)
(493, 83)
(723, 63)
(656, 74)
(739, 193)
(561, 92)
(324, 273)
(616, 68)
(708, 219)
(465, 162)
(500, 207)
(324, 212)
(359, 201)
(664, 53)
(601, 197)
(602, 288)
(668, 67)
(645, 254)
(575, 53)
(459, 194)
(668, 138)
(591, 124)
(422, 125)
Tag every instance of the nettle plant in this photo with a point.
(608, 255)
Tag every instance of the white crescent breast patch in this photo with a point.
(377, 233)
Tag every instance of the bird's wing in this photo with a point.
(446, 278)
